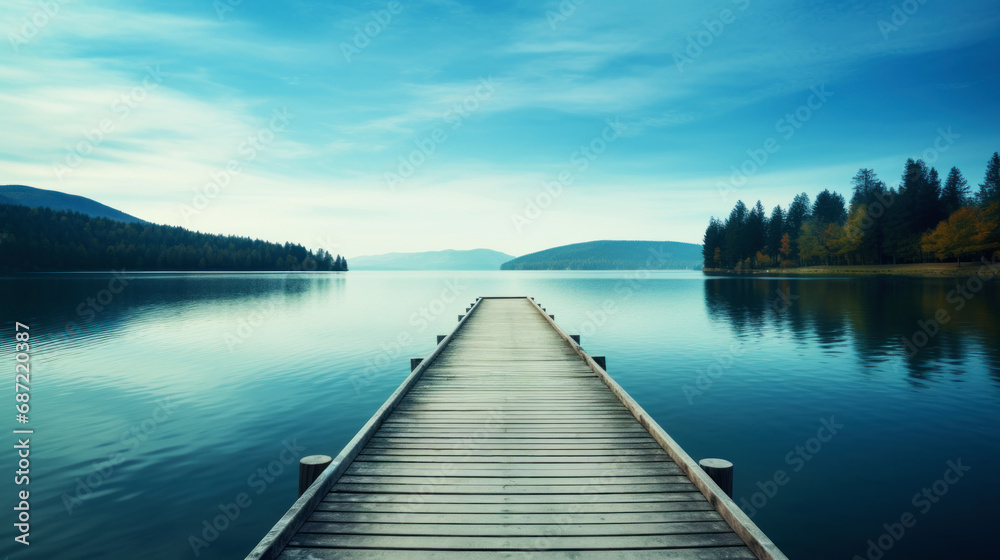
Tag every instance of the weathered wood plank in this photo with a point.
(486, 499)
(515, 459)
(693, 504)
(518, 518)
(507, 469)
(566, 528)
(718, 553)
(511, 489)
(508, 443)
(621, 542)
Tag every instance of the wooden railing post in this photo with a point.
(721, 471)
(309, 470)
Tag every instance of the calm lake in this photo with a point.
(174, 393)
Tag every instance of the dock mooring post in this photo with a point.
(601, 361)
(441, 337)
(721, 471)
(309, 470)
(415, 362)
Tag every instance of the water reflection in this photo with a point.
(78, 306)
(934, 329)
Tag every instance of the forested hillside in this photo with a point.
(21, 195)
(40, 239)
(612, 255)
(920, 220)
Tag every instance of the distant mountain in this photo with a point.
(31, 197)
(613, 255)
(475, 259)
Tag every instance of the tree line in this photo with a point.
(41, 239)
(919, 220)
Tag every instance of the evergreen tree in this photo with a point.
(41, 239)
(736, 248)
(712, 243)
(829, 208)
(871, 201)
(756, 231)
(867, 187)
(989, 189)
(775, 230)
(918, 220)
(955, 193)
(798, 213)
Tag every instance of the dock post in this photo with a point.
(575, 337)
(721, 471)
(601, 361)
(553, 317)
(414, 362)
(309, 470)
(460, 317)
(441, 337)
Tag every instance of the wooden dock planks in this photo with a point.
(505, 443)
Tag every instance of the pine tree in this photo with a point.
(775, 230)
(715, 237)
(829, 208)
(989, 189)
(955, 193)
(798, 213)
(756, 231)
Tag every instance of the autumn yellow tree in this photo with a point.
(811, 243)
(955, 236)
(835, 237)
(849, 243)
(785, 249)
(987, 236)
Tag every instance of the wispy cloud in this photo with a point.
(222, 78)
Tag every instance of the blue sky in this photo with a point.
(526, 124)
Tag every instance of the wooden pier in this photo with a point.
(510, 441)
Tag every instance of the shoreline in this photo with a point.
(918, 270)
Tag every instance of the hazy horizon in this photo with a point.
(151, 110)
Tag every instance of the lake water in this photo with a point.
(174, 393)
